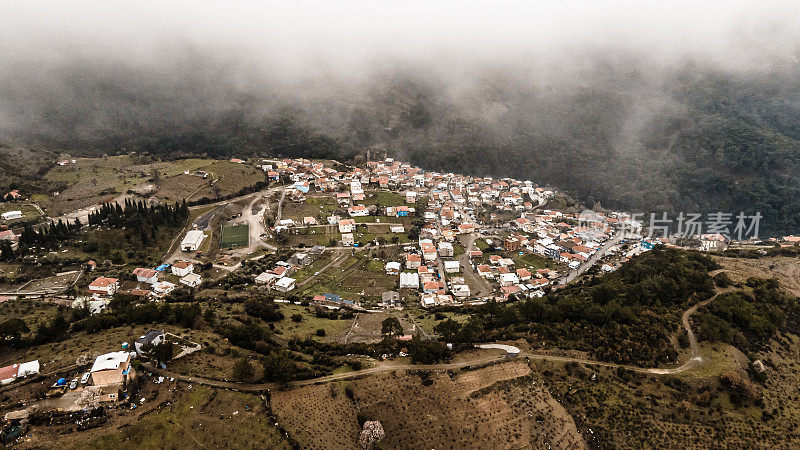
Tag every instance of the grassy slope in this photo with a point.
(189, 422)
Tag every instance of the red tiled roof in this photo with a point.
(143, 272)
(9, 371)
(103, 282)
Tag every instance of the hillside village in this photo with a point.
(454, 239)
(437, 239)
(499, 230)
(344, 251)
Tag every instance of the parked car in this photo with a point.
(73, 384)
(85, 378)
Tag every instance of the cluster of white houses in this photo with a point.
(280, 276)
(150, 283)
(513, 217)
(430, 265)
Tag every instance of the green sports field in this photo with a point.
(235, 236)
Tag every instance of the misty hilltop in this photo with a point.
(694, 116)
(690, 139)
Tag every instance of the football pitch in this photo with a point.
(235, 236)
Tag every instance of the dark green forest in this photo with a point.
(624, 317)
(749, 317)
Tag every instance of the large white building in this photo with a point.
(11, 215)
(409, 280)
(192, 240)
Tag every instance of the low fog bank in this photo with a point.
(685, 113)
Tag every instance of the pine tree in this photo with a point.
(6, 251)
(29, 236)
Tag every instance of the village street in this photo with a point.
(469, 273)
(572, 274)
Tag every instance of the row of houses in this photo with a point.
(279, 277)
(157, 285)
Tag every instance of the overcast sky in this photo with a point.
(296, 37)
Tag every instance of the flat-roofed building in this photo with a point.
(191, 242)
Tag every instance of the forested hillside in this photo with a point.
(693, 138)
(626, 317)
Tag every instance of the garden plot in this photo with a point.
(367, 326)
(317, 207)
(372, 283)
(354, 278)
(50, 285)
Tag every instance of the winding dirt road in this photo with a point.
(387, 366)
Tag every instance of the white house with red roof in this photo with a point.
(104, 286)
(347, 225)
(182, 268)
(358, 211)
(413, 261)
(8, 235)
(144, 275)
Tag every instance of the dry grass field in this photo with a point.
(92, 180)
(785, 269)
(179, 187)
(335, 329)
(500, 406)
(174, 415)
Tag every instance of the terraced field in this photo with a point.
(499, 406)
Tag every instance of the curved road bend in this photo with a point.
(387, 366)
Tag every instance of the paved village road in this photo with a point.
(469, 273)
(572, 274)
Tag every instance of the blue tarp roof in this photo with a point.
(162, 267)
(336, 298)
